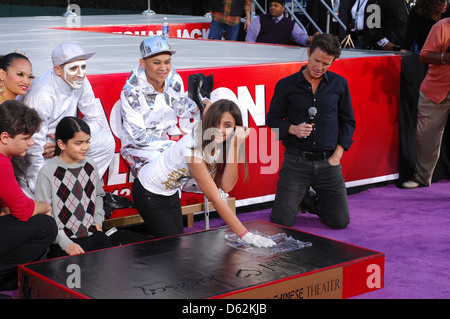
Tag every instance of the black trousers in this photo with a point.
(161, 214)
(22, 242)
(297, 174)
(96, 241)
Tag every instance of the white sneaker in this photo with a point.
(410, 184)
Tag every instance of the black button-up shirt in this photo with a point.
(334, 122)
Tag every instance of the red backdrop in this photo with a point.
(375, 89)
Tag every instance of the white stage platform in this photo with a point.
(116, 53)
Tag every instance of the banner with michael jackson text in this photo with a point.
(195, 30)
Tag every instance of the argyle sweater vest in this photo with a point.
(76, 199)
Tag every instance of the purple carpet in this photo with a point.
(411, 227)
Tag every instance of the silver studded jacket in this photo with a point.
(150, 118)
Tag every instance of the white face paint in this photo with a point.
(74, 73)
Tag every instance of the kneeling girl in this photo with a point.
(209, 154)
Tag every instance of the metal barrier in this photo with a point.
(149, 11)
(333, 14)
(73, 10)
(295, 3)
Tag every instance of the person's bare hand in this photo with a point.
(334, 161)
(49, 148)
(389, 46)
(4, 211)
(74, 249)
(301, 130)
(240, 134)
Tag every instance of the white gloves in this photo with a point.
(258, 241)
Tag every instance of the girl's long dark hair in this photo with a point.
(66, 129)
(211, 119)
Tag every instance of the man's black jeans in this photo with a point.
(297, 174)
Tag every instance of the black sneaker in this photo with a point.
(123, 236)
(112, 202)
(200, 86)
(309, 203)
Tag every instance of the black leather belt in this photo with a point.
(310, 156)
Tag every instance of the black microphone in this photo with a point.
(312, 114)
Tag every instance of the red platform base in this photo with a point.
(201, 265)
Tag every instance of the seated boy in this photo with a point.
(26, 226)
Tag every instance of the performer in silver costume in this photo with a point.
(59, 92)
(153, 102)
